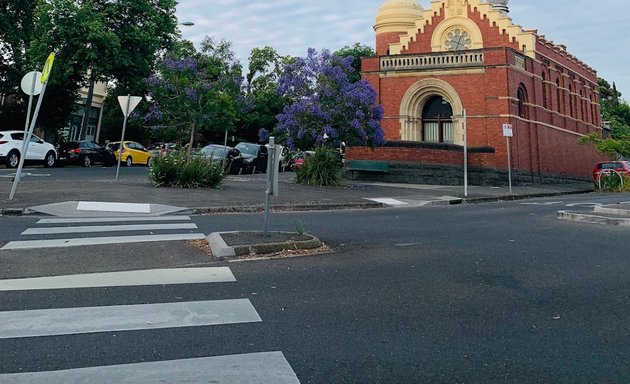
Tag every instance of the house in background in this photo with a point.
(75, 130)
(464, 63)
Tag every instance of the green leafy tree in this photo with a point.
(199, 94)
(263, 102)
(16, 34)
(94, 40)
(357, 52)
(616, 112)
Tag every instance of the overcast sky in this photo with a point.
(593, 31)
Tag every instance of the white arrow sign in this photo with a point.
(128, 104)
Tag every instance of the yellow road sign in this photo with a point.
(47, 67)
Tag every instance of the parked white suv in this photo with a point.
(38, 150)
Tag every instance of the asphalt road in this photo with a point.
(485, 293)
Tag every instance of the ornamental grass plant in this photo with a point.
(614, 183)
(324, 168)
(178, 170)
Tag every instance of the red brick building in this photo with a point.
(465, 62)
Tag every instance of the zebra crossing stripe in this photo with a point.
(74, 220)
(252, 368)
(74, 242)
(71, 321)
(107, 228)
(123, 279)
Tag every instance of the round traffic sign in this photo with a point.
(31, 84)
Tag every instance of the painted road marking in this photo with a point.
(111, 219)
(388, 201)
(252, 368)
(113, 207)
(59, 243)
(123, 279)
(72, 321)
(107, 228)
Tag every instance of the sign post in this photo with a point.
(507, 132)
(34, 89)
(273, 163)
(127, 104)
(465, 156)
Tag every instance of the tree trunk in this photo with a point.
(192, 139)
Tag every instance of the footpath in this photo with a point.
(246, 193)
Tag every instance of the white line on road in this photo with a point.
(113, 207)
(252, 368)
(111, 219)
(123, 278)
(71, 321)
(60, 243)
(107, 228)
(387, 200)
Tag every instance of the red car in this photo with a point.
(622, 167)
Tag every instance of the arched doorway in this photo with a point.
(437, 123)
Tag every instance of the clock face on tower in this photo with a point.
(457, 39)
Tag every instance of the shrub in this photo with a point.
(613, 183)
(322, 169)
(177, 170)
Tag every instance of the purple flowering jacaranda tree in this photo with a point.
(326, 108)
(200, 92)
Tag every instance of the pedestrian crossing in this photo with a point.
(22, 326)
(62, 232)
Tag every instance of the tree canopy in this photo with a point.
(325, 107)
(615, 113)
(197, 93)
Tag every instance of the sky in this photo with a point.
(593, 31)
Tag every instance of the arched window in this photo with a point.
(437, 123)
(544, 89)
(571, 101)
(558, 96)
(521, 96)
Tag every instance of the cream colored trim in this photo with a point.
(526, 39)
(415, 98)
(439, 35)
(394, 74)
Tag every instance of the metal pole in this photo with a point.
(507, 140)
(465, 156)
(27, 135)
(122, 136)
(270, 164)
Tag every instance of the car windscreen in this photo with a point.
(248, 149)
(214, 151)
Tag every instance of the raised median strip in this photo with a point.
(226, 245)
(621, 221)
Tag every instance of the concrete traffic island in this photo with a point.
(612, 214)
(255, 244)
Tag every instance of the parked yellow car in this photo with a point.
(132, 153)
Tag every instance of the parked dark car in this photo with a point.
(254, 157)
(231, 157)
(84, 153)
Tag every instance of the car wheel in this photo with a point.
(49, 160)
(149, 162)
(129, 161)
(87, 162)
(13, 159)
(253, 169)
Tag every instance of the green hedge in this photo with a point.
(177, 170)
(613, 183)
